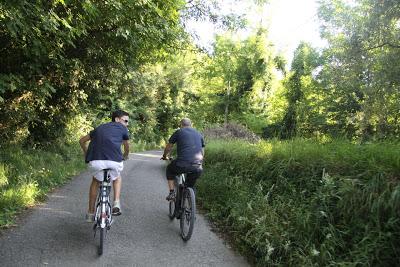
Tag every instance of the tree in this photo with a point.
(362, 68)
(61, 57)
(301, 93)
(242, 73)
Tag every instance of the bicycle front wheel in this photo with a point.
(101, 245)
(102, 227)
(188, 214)
(172, 206)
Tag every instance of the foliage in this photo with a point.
(302, 91)
(60, 58)
(361, 73)
(159, 95)
(240, 75)
(351, 88)
(300, 203)
(27, 175)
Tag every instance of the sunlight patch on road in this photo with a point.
(57, 196)
(56, 211)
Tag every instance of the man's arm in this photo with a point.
(125, 143)
(82, 142)
(167, 150)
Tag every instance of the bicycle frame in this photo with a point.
(103, 218)
(180, 181)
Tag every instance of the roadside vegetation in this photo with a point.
(305, 203)
(26, 175)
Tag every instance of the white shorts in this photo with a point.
(97, 166)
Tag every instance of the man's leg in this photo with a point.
(117, 192)
(117, 188)
(171, 173)
(171, 184)
(92, 194)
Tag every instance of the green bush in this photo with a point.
(300, 203)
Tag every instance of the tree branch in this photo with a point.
(382, 45)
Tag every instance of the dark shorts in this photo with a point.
(193, 172)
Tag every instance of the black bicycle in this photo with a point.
(103, 212)
(183, 207)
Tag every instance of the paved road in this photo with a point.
(55, 234)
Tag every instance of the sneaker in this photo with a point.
(116, 211)
(89, 217)
(171, 196)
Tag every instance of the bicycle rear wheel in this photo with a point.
(188, 214)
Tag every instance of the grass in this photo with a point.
(301, 203)
(27, 175)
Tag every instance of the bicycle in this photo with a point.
(183, 207)
(103, 211)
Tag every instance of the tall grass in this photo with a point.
(299, 203)
(26, 175)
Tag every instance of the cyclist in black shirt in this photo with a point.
(104, 152)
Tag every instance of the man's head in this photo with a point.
(185, 122)
(121, 117)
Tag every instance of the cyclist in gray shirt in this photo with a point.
(190, 150)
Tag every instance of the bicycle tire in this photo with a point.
(172, 204)
(171, 213)
(101, 245)
(188, 214)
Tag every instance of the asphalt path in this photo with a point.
(54, 233)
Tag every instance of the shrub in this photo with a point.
(230, 131)
(299, 203)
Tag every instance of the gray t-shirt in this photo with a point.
(105, 142)
(189, 146)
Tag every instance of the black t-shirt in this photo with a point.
(105, 142)
(189, 146)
